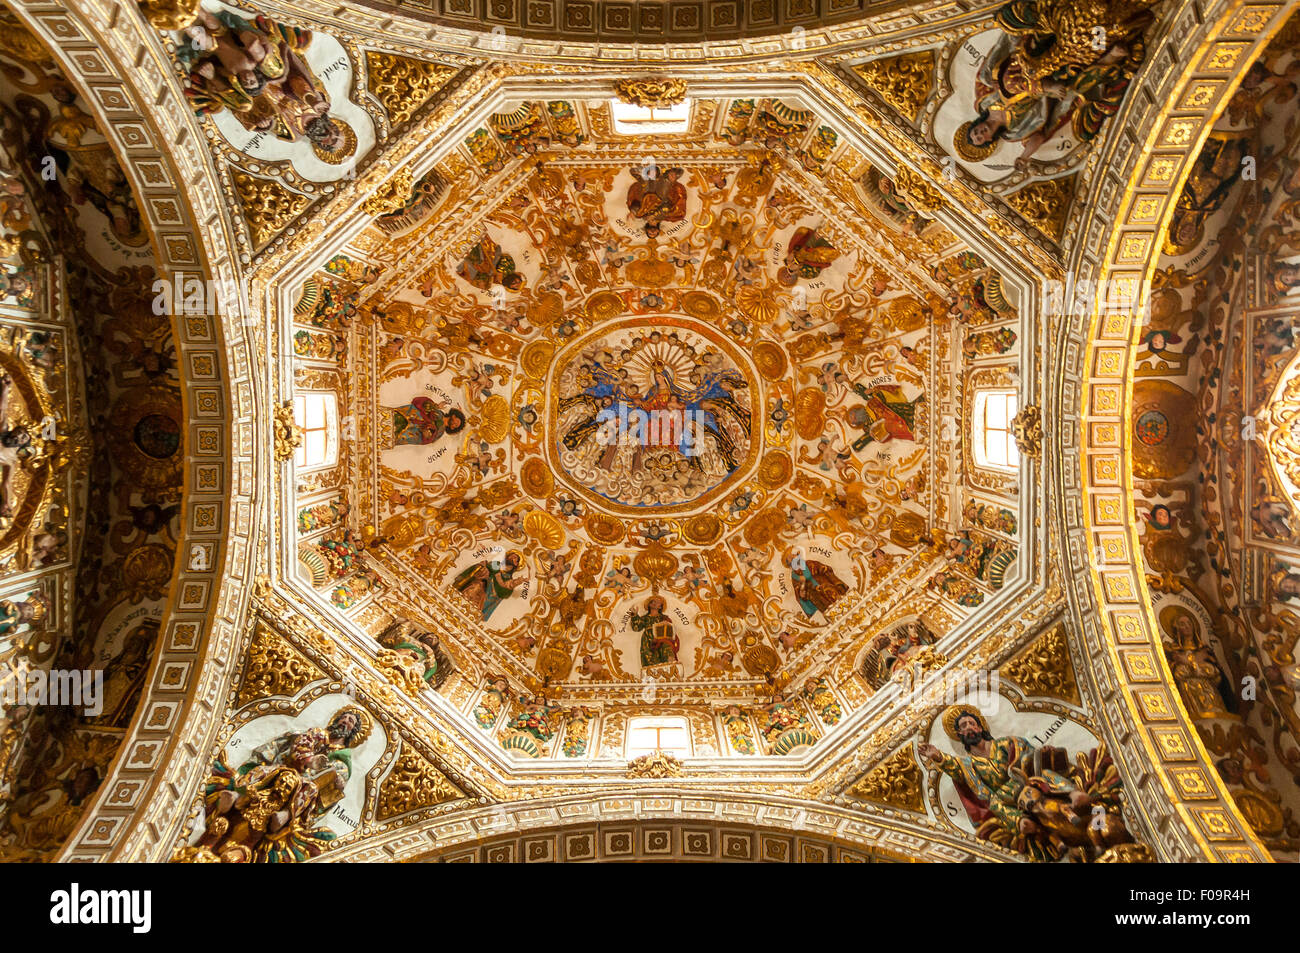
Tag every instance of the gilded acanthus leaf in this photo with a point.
(657, 764)
(288, 436)
(274, 667)
(268, 206)
(921, 195)
(404, 85)
(1044, 204)
(170, 14)
(1279, 418)
(1135, 853)
(1044, 668)
(1028, 429)
(390, 196)
(412, 785)
(650, 92)
(895, 782)
(406, 671)
(905, 81)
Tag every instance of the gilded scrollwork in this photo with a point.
(650, 92)
(1027, 427)
(1044, 668)
(413, 784)
(904, 81)
(169, 14)
(392, 196)
(895, 782)
(1280, 421)
(657, 764)
(402, 84)
(268, 205)
(273, 667)
(288, 435)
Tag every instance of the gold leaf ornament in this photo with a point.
(757, 304)
(268, 206)
(545, 310)
(655, 563)
(770, 360)
(544, 528)
(1028, 428)
(535, 478)
(775, 469)
(920, 194)
(809, 413)
(701, 305)
(605, 305)
(605, 529)
(702, 530)
(535, 359)
(651, 92)
(403, 85)
(287, 435)
(895, 782)
(391, 196)
(169, 14)
(495, 422)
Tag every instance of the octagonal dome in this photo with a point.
(671, 425)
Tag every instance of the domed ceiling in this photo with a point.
(667, 421)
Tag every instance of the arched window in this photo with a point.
(994, 443)
(650, 733)
(630, 120)
(316, 414)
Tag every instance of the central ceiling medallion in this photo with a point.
(658, 417)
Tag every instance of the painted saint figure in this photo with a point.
(657, 196)
(418, 652)
(485, 584)
(16, 613)
(265, 811)
(808, 256)
(487, 265)
(258, 72)
(1215, 174)
(660, 417)
(888, 651)
(1049, 68)
(815, 585)
(659, 642)
(15, 446)
(124, 676)
(422, 422)
(1206, 689)
(1032, 800)
(887, 415)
